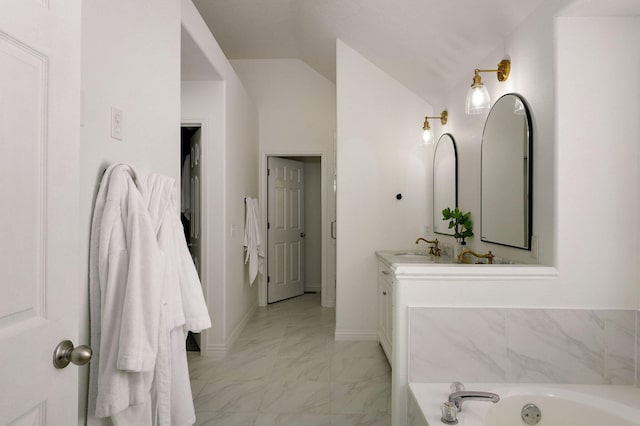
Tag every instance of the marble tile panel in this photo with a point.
(296, 397)
(255, 347)
(351, 349)
(620, 341)
(217, 418)
(555, 346)
(360, 420)
(448, 344)
(302, 330)
(297, 419)
(242, 368)
(259, 331)
(196, 387)
(361, 398)
(200, 367)
(301, 346)
(306, 369)
(360, 370)
(231, 396)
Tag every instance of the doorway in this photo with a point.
(190, 202)
(294, 226)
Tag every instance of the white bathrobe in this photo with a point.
(144, 296)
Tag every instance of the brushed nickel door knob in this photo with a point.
(65, 353)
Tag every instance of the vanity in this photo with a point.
(388, 262)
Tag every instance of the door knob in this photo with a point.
(302, 235)
(65, 353)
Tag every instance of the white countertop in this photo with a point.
(414, 264)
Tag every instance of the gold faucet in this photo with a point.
(488, 256)
(434, 249)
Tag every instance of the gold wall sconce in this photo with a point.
(427, 134)
(478, 99)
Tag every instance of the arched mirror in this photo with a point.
(507, 147)
(445, 181)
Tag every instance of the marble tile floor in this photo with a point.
(286, 369)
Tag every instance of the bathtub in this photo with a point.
(560, 405)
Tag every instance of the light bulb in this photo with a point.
(427, 137)
(478, 100)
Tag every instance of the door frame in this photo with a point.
(324, 222)
(204, 203)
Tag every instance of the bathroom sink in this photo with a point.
(410, 254)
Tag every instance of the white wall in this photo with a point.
(235, 177)
(297, 117)
(136, 69)
(378, 156)
(598, 153)
(203, 102)
(312, 226)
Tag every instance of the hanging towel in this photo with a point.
(254, 253)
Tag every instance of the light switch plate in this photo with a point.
(116, 123)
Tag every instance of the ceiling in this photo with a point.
(424, 44)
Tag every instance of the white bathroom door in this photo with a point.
(39, 188)
(285, 229)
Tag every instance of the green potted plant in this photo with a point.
(460, 223)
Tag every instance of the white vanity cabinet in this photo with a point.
(385, 309)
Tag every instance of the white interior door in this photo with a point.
(285, 229)
(39, 188)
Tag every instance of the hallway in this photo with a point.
(286, 369)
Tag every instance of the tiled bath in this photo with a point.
(577, 346)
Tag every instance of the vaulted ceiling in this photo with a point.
(424, 44)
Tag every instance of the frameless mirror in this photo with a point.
(445, 181)
(507, 145)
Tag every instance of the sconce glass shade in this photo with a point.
(427, 137)
(427, 133)
(478, 100)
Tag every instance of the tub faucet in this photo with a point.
(489, 256)
(458, 398)
(434, 249)
(453, 406)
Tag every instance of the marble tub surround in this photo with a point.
(577, 346)
(286, 369)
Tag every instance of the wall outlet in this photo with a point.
(116, 123)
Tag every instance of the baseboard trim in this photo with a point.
(219, 350)
(233, 336)
(313, 288)
(216, 351)
(356, 335)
